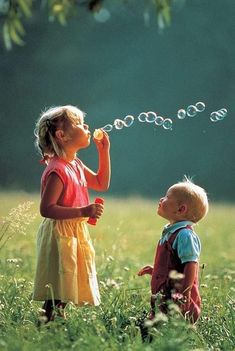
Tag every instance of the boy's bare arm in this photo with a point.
(145, 270)
(190, 271)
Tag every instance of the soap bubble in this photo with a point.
(167, 124)
(128, 120)
(118, 124)
(151, 117)
(181, 114)
(142, 117)
(102, 16)
(191, 111)
(200, 106)
(224, 110)
(159, 120)
(220, 115)
(214, 117)
(107, 128)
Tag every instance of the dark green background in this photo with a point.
(121, 67)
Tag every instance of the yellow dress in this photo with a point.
(65, 263)
(65, 268)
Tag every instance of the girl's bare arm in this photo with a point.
(100, 181)
(49, 207)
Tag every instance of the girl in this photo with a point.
(65, 269)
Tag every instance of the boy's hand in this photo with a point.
(183, 301)
(104, 143)
(92, 210)
(186, 302)
(151, 315)
(145, 270)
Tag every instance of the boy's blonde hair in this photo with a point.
(50, 120)
(194, 196)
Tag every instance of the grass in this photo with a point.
(125, 240)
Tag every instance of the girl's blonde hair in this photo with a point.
(194, 196)
(50, 120)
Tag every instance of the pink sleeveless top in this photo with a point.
(75, 193)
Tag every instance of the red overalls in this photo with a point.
(166, 260)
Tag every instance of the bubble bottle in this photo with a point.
(93, 221)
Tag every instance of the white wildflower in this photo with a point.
(110, 258)
(160, 317)
(15, 222)
(148, 323)
(112, 283)
(175, 275)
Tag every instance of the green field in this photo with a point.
(125, 240)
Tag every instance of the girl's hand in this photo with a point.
(92, 210)
(104, 143)
(145, 270)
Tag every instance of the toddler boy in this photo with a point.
(175, 270)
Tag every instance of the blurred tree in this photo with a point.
(14, 13)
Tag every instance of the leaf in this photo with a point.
(19, 27)
(14, 35)
(57, 8)
(166, 14)
(62, 19)
(163, 9)
(6, 36)
(25, 8)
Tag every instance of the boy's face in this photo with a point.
(168, 206)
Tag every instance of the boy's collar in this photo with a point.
(171, 228)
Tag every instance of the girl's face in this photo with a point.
(168, 206)
(78, 135)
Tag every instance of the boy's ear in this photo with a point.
(183, 208)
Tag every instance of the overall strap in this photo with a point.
(174, 235)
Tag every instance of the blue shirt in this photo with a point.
(187, 243)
